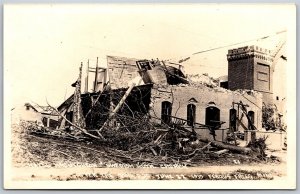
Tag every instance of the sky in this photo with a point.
(45, 44)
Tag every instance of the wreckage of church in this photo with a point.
(160, 93)
(164, 95)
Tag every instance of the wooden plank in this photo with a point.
(87, 78)
(241, 123)
(227, 146)
(96, 77)
(99, 68)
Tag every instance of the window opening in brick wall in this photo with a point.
(212, 116)
(191, 114)
(251, 117)
(166, 112)
(232, 119)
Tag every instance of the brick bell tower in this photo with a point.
(250, 67)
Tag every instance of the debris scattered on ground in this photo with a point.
(143, 143)
(259, 147)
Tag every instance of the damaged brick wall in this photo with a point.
(201, 96)
(157, 75)
(121, 70)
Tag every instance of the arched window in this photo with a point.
(191, 114)
(232, 119)
(166, 112)
(212, 116)
(251, 117)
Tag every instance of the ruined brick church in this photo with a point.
(166, 95)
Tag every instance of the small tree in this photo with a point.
(271, 118)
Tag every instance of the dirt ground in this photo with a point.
(48, 158)
(237, 172)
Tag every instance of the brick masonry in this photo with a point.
(251, 68)
(240, 74)
(201, 96)
(157, 75)
(121, 71)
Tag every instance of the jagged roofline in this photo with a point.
(66, 102)
(69, 101)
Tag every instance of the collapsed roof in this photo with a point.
(122, 70)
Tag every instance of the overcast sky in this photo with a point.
(44, 45)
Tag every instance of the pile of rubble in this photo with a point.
(140, 141)
(203, 79)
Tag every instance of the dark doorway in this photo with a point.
(191, 114)
(232, 119)
(166, 112)
(212, 116)
(69, 116)
(251, 117)
(224, 85)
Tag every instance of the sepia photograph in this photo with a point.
(149, 96)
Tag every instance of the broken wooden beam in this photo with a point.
(121, 102)
(77, 127)
(78, 118)
(96, 77)
(220, 152)
(153, 151)
(229, 147)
